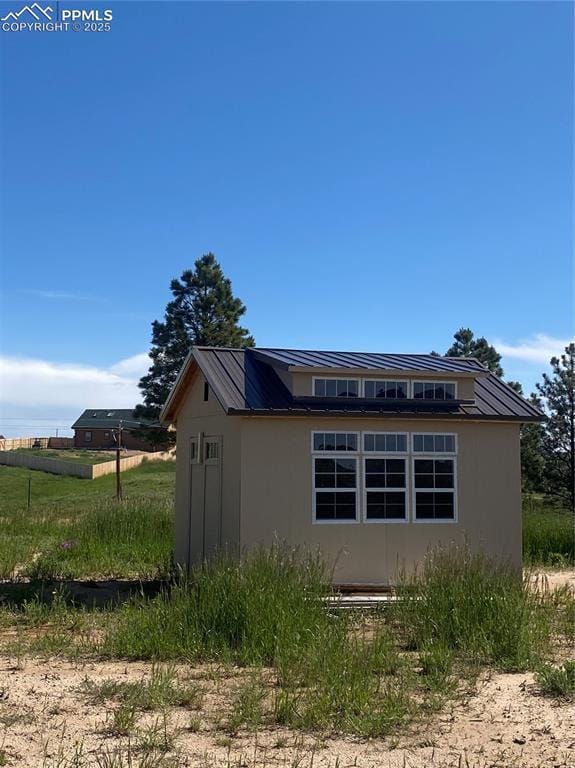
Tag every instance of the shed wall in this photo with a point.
(276, 497)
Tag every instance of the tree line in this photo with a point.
(205, 312)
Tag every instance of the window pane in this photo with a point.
(331, 388)
(401, 390)
(417, 389)
(418, 443)
(319, 390)
(402, 442)
(325, 505)
(450, 443)
(352, 388)
(351, 441)
(423, 465)
(449, 391)
(428, 391)
(439, 443)
(325, 465)
(444, 465)
(325, 480)
(369, 388)
(318, 441)
(369, 442)
(385, 505)
(345, 506)
(380, 443)
(424, 481)
(395, 465)
(434, 506)
(375, 465)
(428, 443)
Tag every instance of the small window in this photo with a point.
(388, 390)
(430, 390)
(106, 434)
(434, 443)
(385, 489)
(434, 483)
(335, 489)
(212, 449)
(334, 441)
(206, 391)
(87, 437)
(385, 442)
(336, 387)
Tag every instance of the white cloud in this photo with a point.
(62, 295)
(55, 389)
(540, 348)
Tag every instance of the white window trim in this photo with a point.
(407, 383)
(433, 381)
(315, 452)
(337, 378)
(365, 490)
(357, 490)
(418, 454)
(379, 454)
(454, 490)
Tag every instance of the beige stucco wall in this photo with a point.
(276, 496)
(208, 417)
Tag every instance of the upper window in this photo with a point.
(391, 390)
(433, 443)
(334, 441)
(336, 387)
(433, 390)
(385, 442)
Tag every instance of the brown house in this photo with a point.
(372, 458)
(100, 427)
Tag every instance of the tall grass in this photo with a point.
(548, 534)
(479, 608)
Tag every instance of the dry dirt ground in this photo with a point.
(46, 719)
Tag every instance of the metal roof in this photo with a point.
(245, 383)
(369, 360)
(108, 418)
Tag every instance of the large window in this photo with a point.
(380, 476)
(335, 476)
(434, 489)
(433, 390)
(336, 387)
(389, 390)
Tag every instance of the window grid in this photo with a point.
(386, 389)
(434, 442)
(436, 475)
(385, 490)
(335, 387)
(434, 390)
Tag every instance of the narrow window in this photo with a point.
(384, 442)
(431, 390)
(334, 441)
(434, 483)
(206, 391)
(427, 443)
(87, 437)
(388, 390)
(385, 489)
(336, 387)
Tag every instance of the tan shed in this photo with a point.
(370, 458)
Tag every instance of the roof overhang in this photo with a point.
(423, 374)
(171, 406)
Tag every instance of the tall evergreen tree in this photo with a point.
(558, 394)
(466, 345)
(532, 463)
(203, 312)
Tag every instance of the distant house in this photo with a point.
(372, 458)
(99, 428)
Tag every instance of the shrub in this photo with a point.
(557, 681)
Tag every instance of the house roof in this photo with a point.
(245, 383)
(109, 418)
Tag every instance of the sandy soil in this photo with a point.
(46, 717)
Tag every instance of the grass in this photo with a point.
(75, 528)
(78, 456)
(557, 681)
(548, 534)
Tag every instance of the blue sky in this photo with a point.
(370, 175)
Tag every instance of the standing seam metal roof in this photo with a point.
(245, 383)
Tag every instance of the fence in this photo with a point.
(87, 471)
(12, 444)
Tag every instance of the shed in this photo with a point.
(370, 458)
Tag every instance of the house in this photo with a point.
(99, 427)
(372, 458)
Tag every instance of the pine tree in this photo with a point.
(558, 393)
(466, 345)
(203, 312)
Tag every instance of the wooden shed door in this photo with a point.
(205, 497)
